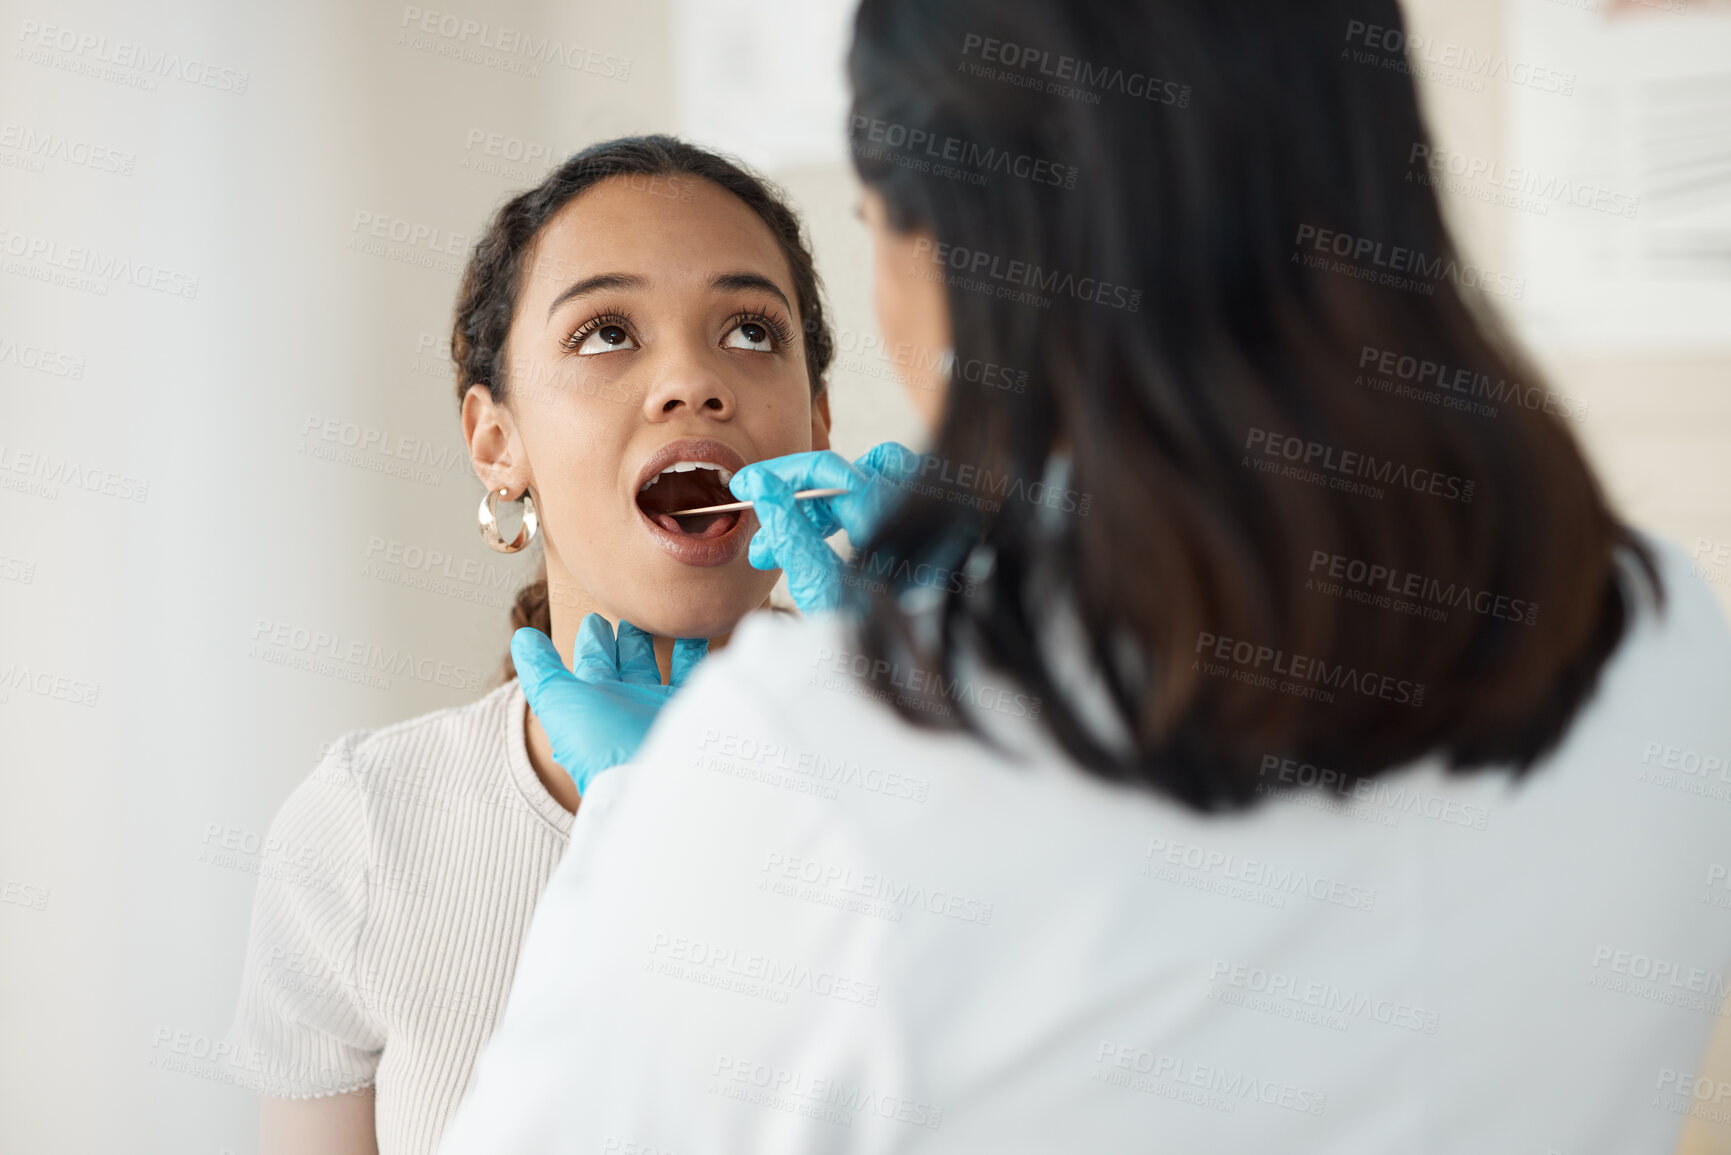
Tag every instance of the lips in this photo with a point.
(692, 471)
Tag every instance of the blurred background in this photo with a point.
(230, 236)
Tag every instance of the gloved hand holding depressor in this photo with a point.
(791, 533)
(597, 713)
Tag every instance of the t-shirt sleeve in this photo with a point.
(304, 1026)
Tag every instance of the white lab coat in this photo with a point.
(796, 924)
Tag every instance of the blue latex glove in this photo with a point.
(791, 533)
(597, 714)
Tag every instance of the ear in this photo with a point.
(495, 450)
(820, 419)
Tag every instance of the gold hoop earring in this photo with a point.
(490, 524)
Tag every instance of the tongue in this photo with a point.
(689, 490)
(696, 525)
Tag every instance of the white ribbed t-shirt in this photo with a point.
(397, 885)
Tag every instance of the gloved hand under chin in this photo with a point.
(597, 713)
(791, 533)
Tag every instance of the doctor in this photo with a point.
(1226, 739)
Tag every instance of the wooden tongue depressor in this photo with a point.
(802, 495)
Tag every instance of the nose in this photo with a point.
(686, 385)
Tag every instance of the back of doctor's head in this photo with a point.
(1319, 507)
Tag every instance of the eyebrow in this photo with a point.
(727, 282)
(736, 281)
(596, 284)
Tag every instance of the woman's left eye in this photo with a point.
(752, 335)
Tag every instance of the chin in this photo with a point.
(705, 609)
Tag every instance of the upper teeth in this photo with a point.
(687, 467)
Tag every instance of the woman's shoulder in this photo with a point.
(1685, 634)
(815, 674)
(783, 658)
(803, 690)
(436, 737)
(424, 761)
(763, 637)
(1670, 675)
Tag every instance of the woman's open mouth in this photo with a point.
(689, 485)
(690, 473)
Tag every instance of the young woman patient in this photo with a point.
(627, 335)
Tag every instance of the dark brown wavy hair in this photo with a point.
(1174, 314)
(493, 279)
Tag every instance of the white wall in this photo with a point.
(122, 911)
(117, 809)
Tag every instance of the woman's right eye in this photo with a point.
(605, 339)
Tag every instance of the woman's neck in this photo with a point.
(540, 748)
(567, 605)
